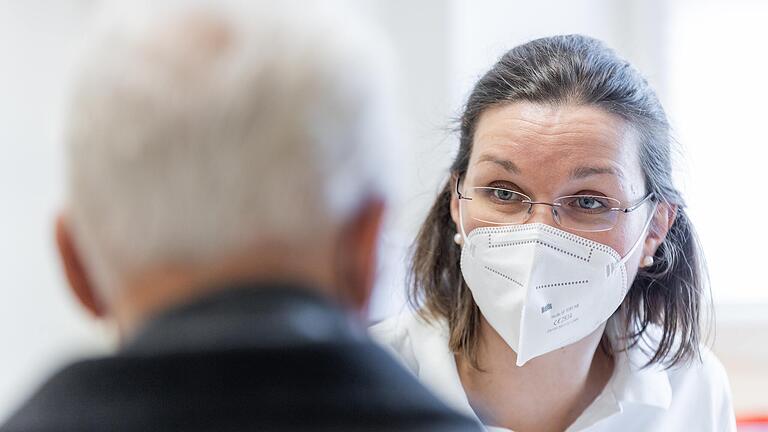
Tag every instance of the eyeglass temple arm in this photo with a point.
(634, 207)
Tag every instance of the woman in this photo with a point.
(557, 277)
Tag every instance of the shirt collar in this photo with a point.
(631, 383)
(245, 315)
(634, 382)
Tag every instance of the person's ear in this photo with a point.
(72, 262)
(454, 202)
(358, 254)
(663, 219)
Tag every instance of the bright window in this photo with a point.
(717, 89)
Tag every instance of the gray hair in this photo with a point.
(575, 70)
(199, 128)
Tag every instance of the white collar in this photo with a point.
(631, 381)
(629, 384)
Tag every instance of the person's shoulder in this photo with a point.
(399, 334)
(703, 382)
(252, 387)
(407, 322)
(703, 371)
(701, 374)
(391, 331)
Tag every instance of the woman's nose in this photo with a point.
(541, 213)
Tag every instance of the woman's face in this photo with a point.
(546, 152)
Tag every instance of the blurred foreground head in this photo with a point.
(211, 142)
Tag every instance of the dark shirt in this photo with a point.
(251, 357)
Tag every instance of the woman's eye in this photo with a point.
(589, 203)
(505, 195)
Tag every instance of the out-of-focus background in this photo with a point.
(706, 58)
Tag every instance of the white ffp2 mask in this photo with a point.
(542, 288)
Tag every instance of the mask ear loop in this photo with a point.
(612, 267)
(463, 244)
(461, 223)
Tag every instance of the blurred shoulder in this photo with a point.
(402, 333)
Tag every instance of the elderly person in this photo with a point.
(558, 278)
(224, 200)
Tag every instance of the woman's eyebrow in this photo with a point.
(576, 173)
(586, 171)
(504, 163)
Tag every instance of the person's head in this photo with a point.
(553, 118)
(213, 141)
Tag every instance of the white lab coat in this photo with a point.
(695, 397)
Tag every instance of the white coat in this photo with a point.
(695, 397)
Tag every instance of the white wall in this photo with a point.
(419, 32)
(482, 30)
(40, 325)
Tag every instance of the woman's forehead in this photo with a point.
(568, 137)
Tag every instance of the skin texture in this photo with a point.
(535, 149)
(339, 264)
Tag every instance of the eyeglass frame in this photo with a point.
(554, 205)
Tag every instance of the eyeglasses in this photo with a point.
(499, 206)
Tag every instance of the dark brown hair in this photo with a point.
(574, 70)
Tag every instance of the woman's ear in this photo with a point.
(663, 219)
(78, 279)
(454, 202)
